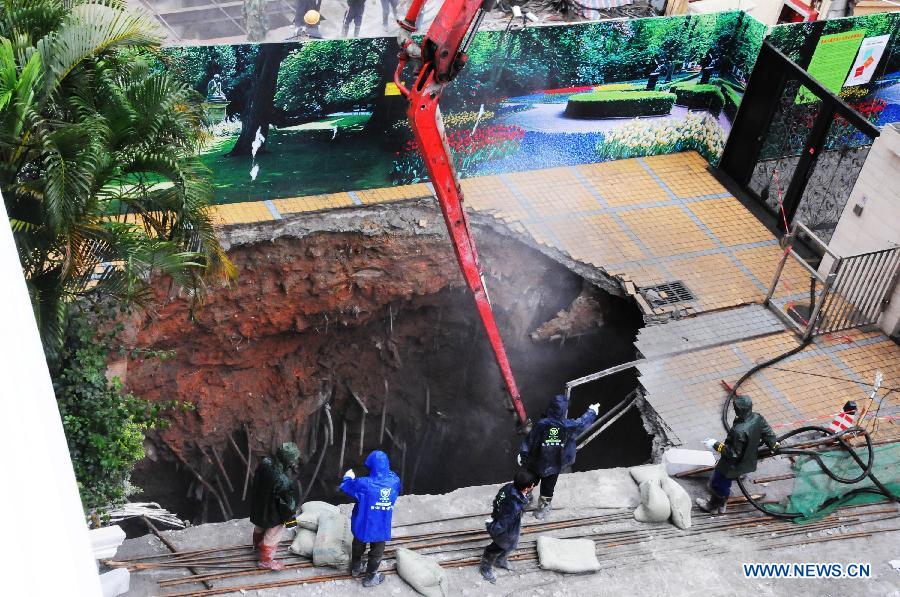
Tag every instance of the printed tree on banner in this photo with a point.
(258, 113)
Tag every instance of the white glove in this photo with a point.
(519, 459)
(710, 444)
(595, 407)
(350, 474)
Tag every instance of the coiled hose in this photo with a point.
(827, 437)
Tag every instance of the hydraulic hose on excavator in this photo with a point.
(827, 437)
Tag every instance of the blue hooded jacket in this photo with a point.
(375, 496)
(506, 517)
(550, 445)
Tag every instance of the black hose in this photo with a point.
(828, 437)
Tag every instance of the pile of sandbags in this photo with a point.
(661, 497)
(323, 534)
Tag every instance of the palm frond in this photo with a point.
(87, 31)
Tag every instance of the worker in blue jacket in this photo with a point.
(550, 447)
(370, 522)
(505, 523)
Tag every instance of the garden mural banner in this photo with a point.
(295, 119)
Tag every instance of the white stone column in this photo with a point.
(46, 546)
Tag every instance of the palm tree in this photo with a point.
(98, 165)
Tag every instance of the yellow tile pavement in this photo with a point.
(240, 213)
(730, 221)
(622, 182)
(312, 203)
(596, 239)
(667, 230)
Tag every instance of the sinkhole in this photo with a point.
(364, 336)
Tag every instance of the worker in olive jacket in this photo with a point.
(273, 506)
(738, 453)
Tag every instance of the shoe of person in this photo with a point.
(357, 568)
(543, 508)
(502, 562)
(710, 505)
(266, 561)
(487, 571)
(372, 579)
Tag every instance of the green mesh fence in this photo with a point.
(816, 495)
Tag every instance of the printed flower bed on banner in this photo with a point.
(469, 150)
(697, 131)
(612, 104)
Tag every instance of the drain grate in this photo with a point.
(668, 293)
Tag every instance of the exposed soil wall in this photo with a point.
(371, 310)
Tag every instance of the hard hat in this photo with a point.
(311, 17)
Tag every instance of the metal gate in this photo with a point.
(852, 294)
(795, 146)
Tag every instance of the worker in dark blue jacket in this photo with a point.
(371, 519)
(550, 447)
(505, 523)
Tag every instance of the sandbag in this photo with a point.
(310, 512)
(654, 503)
(309, 521)
(303, 543)
(571, 556)
(647, 472)
(679, 501)
(318, 507)
(422, 573)
(333, 541)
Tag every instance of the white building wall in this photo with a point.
(877, 227)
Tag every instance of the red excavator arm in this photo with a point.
(440, 57)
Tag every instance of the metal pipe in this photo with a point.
(812, 236)
(343, 445)
(779, 268)
(605, 416)
(602, 429)
(873, 299)
(249, 462)
(865, 276)
(222, 468)
(383, 413)
(828, 321)
(813, 317)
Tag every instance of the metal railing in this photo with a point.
(854, 292)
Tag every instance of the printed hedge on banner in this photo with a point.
(611, 104)
(699, 96)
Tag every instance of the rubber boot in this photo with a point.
(486, 567)
(543, 508)
(257, 539)
(714, 504)
(266, 561)
(503, 562)
(357, 568)
(372, 579)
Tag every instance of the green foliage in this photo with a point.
(319, 78)
(610, 104)
(90, 136)
(798, 40)
(732, 100)
(104, 426)
(699, 96)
